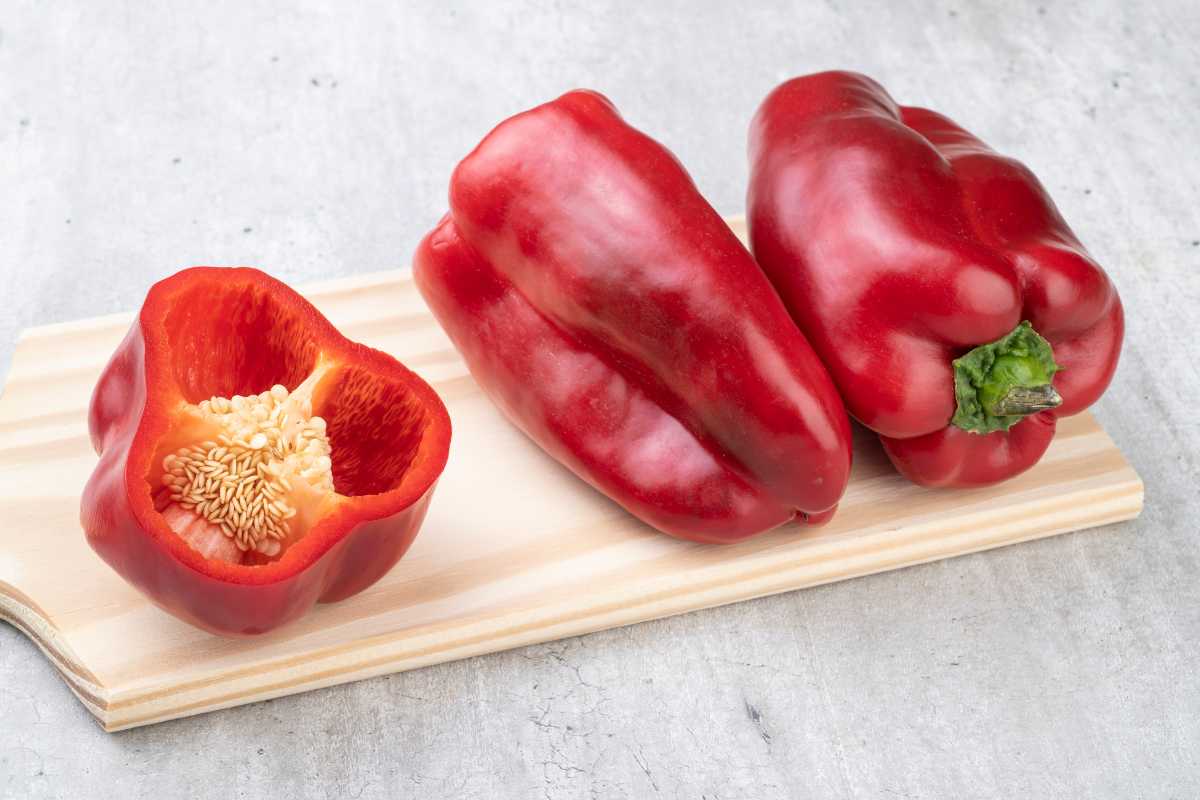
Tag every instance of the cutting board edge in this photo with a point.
(1126, 502)
(23, 614)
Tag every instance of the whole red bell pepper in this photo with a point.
(956, 311)
(253, 461)
(614, 317)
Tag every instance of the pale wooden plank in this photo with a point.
(510, 539)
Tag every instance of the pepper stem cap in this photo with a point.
(998, 384)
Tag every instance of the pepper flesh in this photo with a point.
(900, 242)
(214, 332)
(613, 316)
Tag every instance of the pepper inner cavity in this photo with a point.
(269, 450)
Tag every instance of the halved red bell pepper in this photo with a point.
(253, 461)
(956, 311)
(614, 317)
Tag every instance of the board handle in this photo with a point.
(23, 614)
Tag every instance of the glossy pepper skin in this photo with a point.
(613, 316)
(899, 243)
(216, 331)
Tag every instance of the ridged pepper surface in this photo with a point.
(616, 319)
(957, 313)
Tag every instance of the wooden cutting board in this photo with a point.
(515, 550)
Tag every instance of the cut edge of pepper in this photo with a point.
(339, 353)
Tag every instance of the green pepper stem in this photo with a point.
(998, 384)
(1024, 400)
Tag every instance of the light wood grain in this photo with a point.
(516, 550)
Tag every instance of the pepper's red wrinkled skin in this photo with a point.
(614, 317)
(898, 242)
(215, 331)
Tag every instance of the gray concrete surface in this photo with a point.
(315, 140)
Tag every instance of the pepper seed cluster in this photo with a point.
(240, 482)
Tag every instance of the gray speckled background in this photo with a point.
(316, 141)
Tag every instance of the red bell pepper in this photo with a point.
(614, 317)
(253, 461)
(956, 311)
